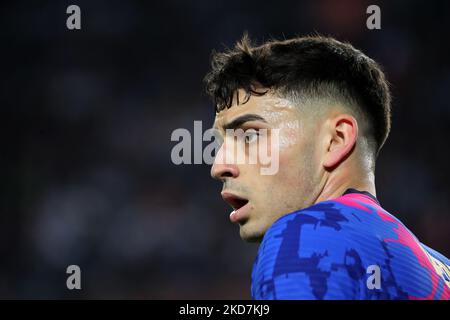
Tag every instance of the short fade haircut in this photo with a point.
(311, 67)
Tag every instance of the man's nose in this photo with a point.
(224, 166)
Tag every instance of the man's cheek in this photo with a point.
(288, 161)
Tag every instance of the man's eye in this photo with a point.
(251, 135)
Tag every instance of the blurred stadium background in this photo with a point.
(87, 118)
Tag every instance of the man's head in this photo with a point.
(330, 107)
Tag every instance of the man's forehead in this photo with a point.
(267, 106)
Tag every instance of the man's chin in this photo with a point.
(250, 232)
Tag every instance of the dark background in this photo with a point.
(87, 115)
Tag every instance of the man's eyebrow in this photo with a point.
(239, 121)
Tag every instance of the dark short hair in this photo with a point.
(316, 65)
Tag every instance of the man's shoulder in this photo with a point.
(336, 242)
(343, 216)
(316, 249)
(351, 224)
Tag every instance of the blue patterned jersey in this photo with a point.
(346, 248)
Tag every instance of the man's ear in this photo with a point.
(343, 132)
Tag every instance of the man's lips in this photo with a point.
(240, 206)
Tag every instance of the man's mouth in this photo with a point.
(239, 204)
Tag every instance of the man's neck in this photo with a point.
(336, 187)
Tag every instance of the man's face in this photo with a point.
(259, 199)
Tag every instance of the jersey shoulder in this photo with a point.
(332, 249)
(310, 254)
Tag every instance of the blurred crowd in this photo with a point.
(88, 115)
